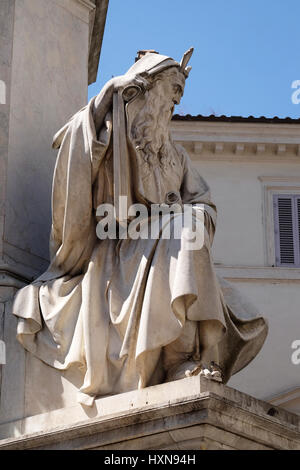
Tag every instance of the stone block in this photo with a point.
(190, 414)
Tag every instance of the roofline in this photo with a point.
(213, 118)
(97, 25)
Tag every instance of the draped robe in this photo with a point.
(111, 307)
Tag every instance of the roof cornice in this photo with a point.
(219, 140)
(242, 119)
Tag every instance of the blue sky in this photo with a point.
(246, 54)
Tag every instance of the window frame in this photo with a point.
(295, 230)
(271, 186)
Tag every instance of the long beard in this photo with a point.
(150, 132)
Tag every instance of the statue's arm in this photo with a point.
(102, 103)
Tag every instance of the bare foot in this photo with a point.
(213, 372)
(191, 368)
(185, 369)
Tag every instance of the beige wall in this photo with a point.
(239, 241)
(237, 192)
(228, 157)
(273, 372)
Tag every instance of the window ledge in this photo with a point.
(259, 273)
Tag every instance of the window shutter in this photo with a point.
(287, 228)
(298, 223)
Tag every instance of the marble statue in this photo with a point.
(128, 312)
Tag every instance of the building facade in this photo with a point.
(252, 165)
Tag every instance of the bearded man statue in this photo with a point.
(133, 312)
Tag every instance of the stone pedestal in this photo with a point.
(190, 414)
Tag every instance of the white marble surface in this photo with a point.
(43, 62)
(193, 413)
(49, 84)
(6, 34)
(13, 373)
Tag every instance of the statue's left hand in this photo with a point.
(131, 83)
(135, 80)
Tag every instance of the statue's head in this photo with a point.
(163, 74)
(150, 112)
(150, 62)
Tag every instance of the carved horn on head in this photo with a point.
(184, 61)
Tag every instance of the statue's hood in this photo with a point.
(152, 63)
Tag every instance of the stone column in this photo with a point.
(43, 81)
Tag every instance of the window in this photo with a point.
(287, 229)
(280, 218)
